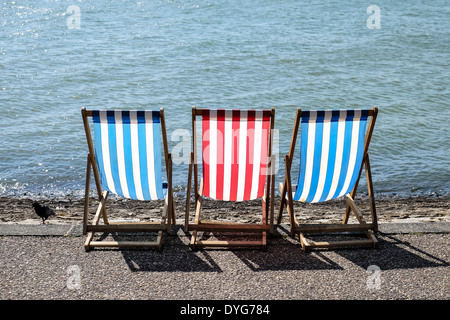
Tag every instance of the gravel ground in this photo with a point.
(411, 266)
(50, 263)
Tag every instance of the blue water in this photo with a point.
(240, 54)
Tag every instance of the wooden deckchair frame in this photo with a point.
(168, 216)
(263, 228)
(362, 225)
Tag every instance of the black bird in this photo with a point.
(43, 211)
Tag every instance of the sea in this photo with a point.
(57, 56)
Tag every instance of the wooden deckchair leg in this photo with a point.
(264, 221)
(352, 195)
(188, 195)
(371, 194)
(194, 233)
(290, 206)
(173, 212)
(95, 220)
(198, 208)
(272, 195)
(351, 203)
(282, 201)
(159, 240)
(166, 215)
(89, 237)
(304, 242)
(359, 217)
(170, 210)
(86, 194)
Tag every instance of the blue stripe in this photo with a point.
(98, 148)
(128, 153)
(143, 155)
(317, 156)
(331, 155)
(345, 153)
(157, 153)
(303, 149)
(113, 151)
(360, 152)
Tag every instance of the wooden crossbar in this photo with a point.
(230, 244)
(309, 244)
(324, 228)
(129, 244)
(128, 227)
(228, 227)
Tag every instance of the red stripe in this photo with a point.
(235, 155)
(206, 143)
(249, 158)
(220, 153)
(264, 152)
(236, 117)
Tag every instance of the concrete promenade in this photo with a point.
(48, 262)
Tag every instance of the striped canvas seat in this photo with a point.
(125, 156)
(332, 147)
(235, 146)
(333, 150)
(128, 153)
(236, 162)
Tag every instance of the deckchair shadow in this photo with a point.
(333, 152)
(285, 256)
(395, 254)
(237, 163)
(178, 259)
(125, 158)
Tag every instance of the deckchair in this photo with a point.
(125, 158)
(333, 152)
(237, 165)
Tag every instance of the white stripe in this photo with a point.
(353, 151)
(324, 156)
(228, 137)
(135, 154)
(339, 151)
(121, 154)
(256, 154)
(242, 155)
(212, 153)
(105, 151)
(309, 155)
(150, 154)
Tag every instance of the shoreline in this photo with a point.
(69, 209)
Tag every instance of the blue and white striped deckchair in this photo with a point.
(333, 150)
(125, 156)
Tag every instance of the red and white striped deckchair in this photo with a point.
(125, 156)
(333, 152)
(236, 164)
